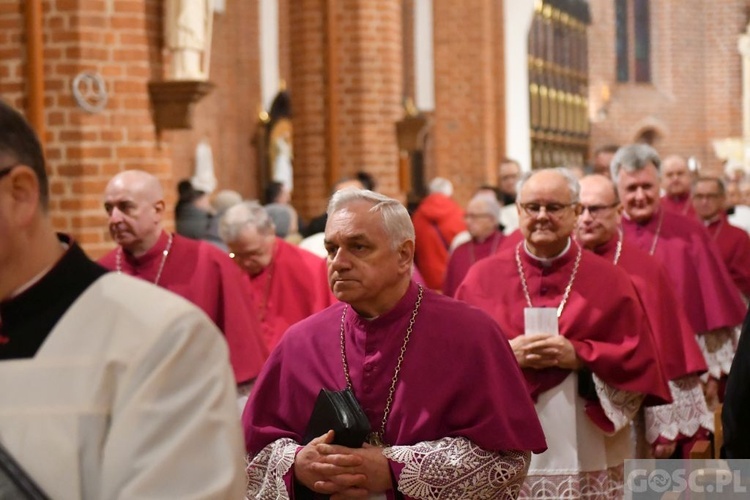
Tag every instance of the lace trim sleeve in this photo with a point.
(718, 348)
(619, 406)
(457, 468)
(685, 415)
(266, 471)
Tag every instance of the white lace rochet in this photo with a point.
(685, 415)
(718, 348)
(619, 406)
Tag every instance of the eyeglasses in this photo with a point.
(706, 196)
(551, 209)
(596, 210)
(7, 170)
(252, 254)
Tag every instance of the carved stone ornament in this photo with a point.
(90, 91)
(173, 102)
(410, 132)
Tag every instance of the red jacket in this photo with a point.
(437, 220)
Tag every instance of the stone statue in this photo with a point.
(204, 178)
(282, 154)
(187, 36)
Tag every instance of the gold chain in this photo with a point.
(618, 250)
(568, 288)
(376, 438)
(118, 259)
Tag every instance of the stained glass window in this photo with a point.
(621, 44)
(633, 58)
(642, 47)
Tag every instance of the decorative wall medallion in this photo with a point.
(90, 91)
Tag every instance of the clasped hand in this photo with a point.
(340, 471)
(545, 351)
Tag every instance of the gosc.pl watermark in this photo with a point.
(651, 479)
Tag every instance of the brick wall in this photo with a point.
(11, 53)
(723, 71)
(307, 87)
(114, 39)
(694, 97)
(370, 89)
(367, 41)
(122, 40)
(695, 93)
(467, 87)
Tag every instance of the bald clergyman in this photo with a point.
(196, 270)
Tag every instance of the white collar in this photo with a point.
(708, 222)
(546, 262)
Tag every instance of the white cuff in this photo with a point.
(685, 415)
(718, 348)
(457, 468)
(619, 406)
(266, 471)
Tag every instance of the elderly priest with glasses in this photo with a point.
(579, 333)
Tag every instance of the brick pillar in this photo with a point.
(12, 51)
(467, 57)
(367, 38)
(307, 89)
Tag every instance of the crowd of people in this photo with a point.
(565, 321)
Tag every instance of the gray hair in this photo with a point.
(282, 216)
(396, 219)
(225, 199)
(717, 180)
(572, 181)
(490, 203)
(242, 215)
(441, 185)
(632, 158)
